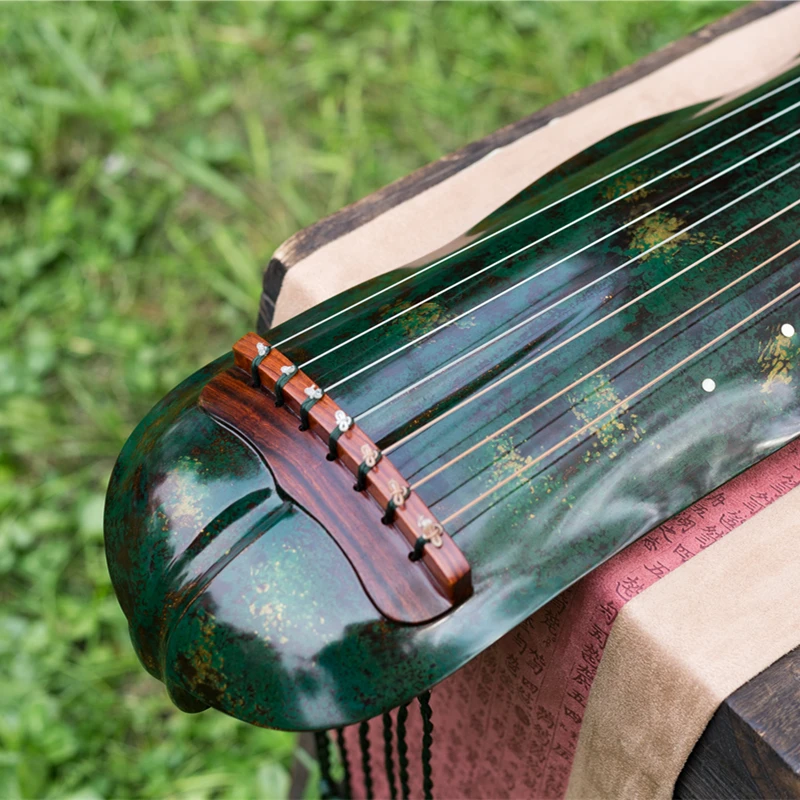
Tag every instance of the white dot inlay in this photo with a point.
(787, 330)
(708, 385)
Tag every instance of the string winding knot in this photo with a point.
(287, 372)
(343, 424)
(371, 457)
(343, 421)
(314, 394)
(398, 493)
(430, 531)
(262, 350)
(397, 498)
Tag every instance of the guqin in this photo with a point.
(326, 522)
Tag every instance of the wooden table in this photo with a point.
(751, 747)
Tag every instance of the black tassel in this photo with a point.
(363, 737)
(388, 755)
(347, 787)
(427, 744)
(327, 788)
(402, 750)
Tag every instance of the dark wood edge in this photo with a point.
(751, 746)
(312, 238)
(271, 287)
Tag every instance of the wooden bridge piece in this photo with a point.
(382, 552)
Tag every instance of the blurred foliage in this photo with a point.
(151, 159)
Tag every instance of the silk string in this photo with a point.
(555, 203)
(525, 248)
(415, 486)
(622, 403)
(452, 462)
(528, 320)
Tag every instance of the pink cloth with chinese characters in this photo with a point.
(507, 724)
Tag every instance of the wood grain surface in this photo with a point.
(445, 561)
(751, 747)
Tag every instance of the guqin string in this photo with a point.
(533, 461)
(529, 278)
(583, 331)
(528, 320)
(525, 248)
(542, 210)
(620, 405)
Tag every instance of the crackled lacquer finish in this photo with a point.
(560, 351)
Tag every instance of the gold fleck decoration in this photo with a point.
(775, 360)
(596, 399)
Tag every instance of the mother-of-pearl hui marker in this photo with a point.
(787, 330)
(708, 385)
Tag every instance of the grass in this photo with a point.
(151, 159)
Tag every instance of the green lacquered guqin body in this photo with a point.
(605, 349)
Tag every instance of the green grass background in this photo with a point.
(151, 159)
